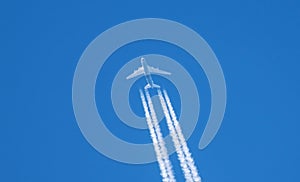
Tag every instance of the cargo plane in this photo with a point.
(147, 70)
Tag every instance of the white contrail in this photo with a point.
(175, 138)
(160, 138)
(190, 160)
(159, 157)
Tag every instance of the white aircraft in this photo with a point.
(147, 70)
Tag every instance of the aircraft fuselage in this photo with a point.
(147, 73)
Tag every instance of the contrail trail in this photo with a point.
(161, 142)
(160, 161)
(175, 138)
(190, 160)
(158, 143)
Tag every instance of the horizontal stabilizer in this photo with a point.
(153, 86)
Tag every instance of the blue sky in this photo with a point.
(256, 42)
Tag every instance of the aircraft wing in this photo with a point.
(156, 70)
(136, 73)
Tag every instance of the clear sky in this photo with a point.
(256, 42)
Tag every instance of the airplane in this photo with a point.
(147, 70)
